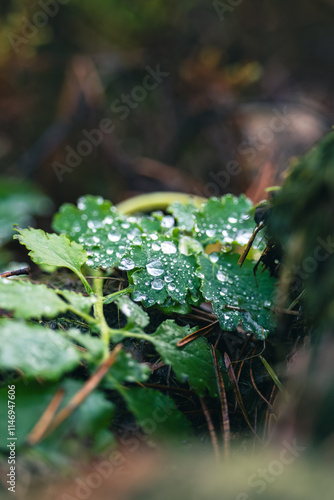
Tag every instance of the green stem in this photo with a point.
(84, 281)
(110, 298)
(142, 336)
(99, 316)
(86, 317)
(155, 201)
(275, 378)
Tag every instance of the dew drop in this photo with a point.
(108, 220)
(214, 257)
(168, 247)
(157, 284)
(126, 264)
(155, 268)
(167, 222)
(114, 237)
(221, 276)
(138, 296)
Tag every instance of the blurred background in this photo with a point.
(120, 98)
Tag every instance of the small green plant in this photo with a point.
(166, 264)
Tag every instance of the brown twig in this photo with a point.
(223, 402)
(286, 311)
(195, 335)
(82, 394)
(43, 423)
(269, 412)
(237, 393)
(255, 386)
(249, 244)
(211, 428)
(17, 272)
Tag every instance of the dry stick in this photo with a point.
(195, 335)
(211, 428)
(249, 244)
(256, 387)
(236, 391)
(286, 311)
(18, 272)
(268, 413)
(88, 387)
(223, 402)
(46, 418)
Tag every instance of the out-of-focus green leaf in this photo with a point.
(35, 351)
(156, 413)
(28, 300)
(77, 300)
(94, 345)
(134, 314)
(126, 369)
(185, 214)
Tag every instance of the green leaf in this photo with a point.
(135, 314)
(165, 272)
(94, 345)
(31, 400)
(192, 362)
(190, 246)
(184, 214)
(53, 250)
(104, 233)
(226, 220)
(228, 287)
(35, 350)
(90, 419)
(77, 300)
(28, 300)
(156, 413)
(92, 416)
(126, 369)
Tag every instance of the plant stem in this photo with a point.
(99, 316)
(110, 298)
(155, 201)
(142, 336)
(86, 317)
(84, 281)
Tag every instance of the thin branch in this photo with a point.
(43, 423)
(236, 390)
(82, 394)
(211, 428)
(192, 336)
(224, 407)
(18, 272)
